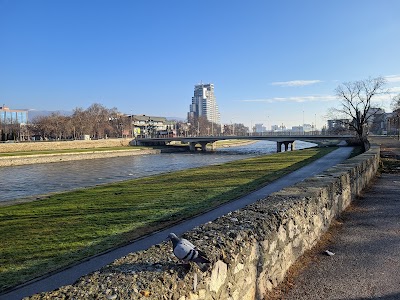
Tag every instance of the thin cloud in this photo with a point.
(299, 99)
(395, 89)
(296, 82)
(393, 78)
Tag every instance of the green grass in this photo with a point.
(63, 151)
(42, 236)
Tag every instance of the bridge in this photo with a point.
(287, 139)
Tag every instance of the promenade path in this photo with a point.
(366, 243)
(70, 275)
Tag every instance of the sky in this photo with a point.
(271, 62)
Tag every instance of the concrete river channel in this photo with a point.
(32, 180)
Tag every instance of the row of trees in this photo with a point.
(201, 126)
(100, 122)
(96, 121)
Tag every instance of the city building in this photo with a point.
(298, 129)
(150, 126)
(337, 125)
(204, 103)
(391, 124)
(13, 124)
(259, 128)
(278, 128)
(13, 116)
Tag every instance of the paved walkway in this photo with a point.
(70, 275)
(366, 264)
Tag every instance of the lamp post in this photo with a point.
(315, 122)
(131, 125)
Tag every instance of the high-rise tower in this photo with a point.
(204, 103)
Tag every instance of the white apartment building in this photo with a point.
(204, 103)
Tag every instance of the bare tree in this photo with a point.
(98, 117)
(355, 99)
(119, 124)
(235, 129)
(81, 125)
(200, 126)
(97, 121)
(396, 102)
(41, 126)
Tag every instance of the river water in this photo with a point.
(38, 179)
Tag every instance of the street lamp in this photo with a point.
(131, 125)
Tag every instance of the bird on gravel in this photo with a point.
(187, 252)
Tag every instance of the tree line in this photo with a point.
(99, 122)
(96, 121)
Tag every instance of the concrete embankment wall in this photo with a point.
(51, 158)
(250, 249)
(16, 160)
(57, 145)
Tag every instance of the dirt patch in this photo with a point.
(311, 256)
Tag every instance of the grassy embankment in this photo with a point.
(41, 236)
(219, 144)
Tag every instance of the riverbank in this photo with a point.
(16, 154)
(62, 145)
(66, 227)
(17, 160)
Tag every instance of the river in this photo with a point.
(31, 180)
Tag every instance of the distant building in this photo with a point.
(204, 103)
(259, 128)
(13, 124)
(274, 128)
(338, 125)
(149, 126)
(392, 122)
(13, 116)
(278, 128)
(376, 120)
(297, 129)
(308, 127)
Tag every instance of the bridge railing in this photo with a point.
(275, 133)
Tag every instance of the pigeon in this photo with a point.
(186, 251)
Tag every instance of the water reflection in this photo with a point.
(22, 181)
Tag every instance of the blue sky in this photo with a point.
(271, 62)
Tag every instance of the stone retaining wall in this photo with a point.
(251, 249)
